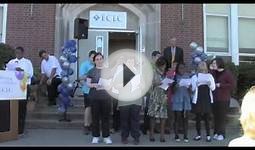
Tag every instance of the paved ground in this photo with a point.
(67, 137)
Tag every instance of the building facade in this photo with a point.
(226, 30)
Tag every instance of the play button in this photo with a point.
(129, 74)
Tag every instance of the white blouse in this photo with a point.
(202, 79)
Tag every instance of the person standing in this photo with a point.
(202, 85)
(225, 83)
(100, 102)
(181, 101)
(50, 70)
(173, 54)
(247, 120)
(84, 69)
(146, 120)
(157, 107)
(22, 64)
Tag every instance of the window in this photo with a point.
(3, 17)
(217, 28)
(246, 26)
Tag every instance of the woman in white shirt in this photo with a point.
(202, 85)
(247, 120)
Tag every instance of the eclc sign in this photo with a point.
(108, 19)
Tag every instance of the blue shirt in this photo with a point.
(84, 69)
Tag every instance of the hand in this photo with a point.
(19, 69)
(217, 84)
(49, 81)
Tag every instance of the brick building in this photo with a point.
(227, 30)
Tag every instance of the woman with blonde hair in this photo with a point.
(202, 86)
(247, 120)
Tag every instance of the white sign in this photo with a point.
(100, 44)
(108, 19)
(13, 85)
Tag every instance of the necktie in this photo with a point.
(173, 53)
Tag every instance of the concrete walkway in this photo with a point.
(75, 137)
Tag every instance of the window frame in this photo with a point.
(5, 6)
(205, 14)
(244, 54)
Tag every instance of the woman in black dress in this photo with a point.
(202, 85)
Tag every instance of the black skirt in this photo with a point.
(203, 104)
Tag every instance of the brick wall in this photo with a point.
(33, 30)
(187, 30)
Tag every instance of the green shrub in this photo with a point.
(6, 53)
(235, 70)
(246, 78)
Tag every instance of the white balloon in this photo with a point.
(197, 60)
(193, 45)
(70, 86)
(62, 59)
(200, 49)
(66, 65)
(65, 80)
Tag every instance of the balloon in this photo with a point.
(199, 49)
(70, 71)
(64, 73)
(66, 65)
(70, 86)
(193, 45)
(65, 92)
(70, 43)
(62, 59)
(72, 58)
(65, 80)
(19, 74)
(197, 60)
(73, 49)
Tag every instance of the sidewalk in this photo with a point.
(67, 137)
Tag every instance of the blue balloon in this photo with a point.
(72, 58)
(70, 71)
(64, 73)
(64, 91)
(70, 43)
(73, 49)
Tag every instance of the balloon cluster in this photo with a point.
(198, 54)
(66, 87)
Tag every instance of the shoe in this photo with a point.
(177, 139)
(162, 140)
(86, 130)
(215, 136)
(107, 140)
(112, 131)
(186, 140)
(136, 141)
(197, 138)
(152, 139)
(95, 140)
(124, 141)
(220, 137)
(208, 138)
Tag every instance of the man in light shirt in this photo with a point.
(50, 70)
(21, 64)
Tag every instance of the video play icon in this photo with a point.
(129, 73)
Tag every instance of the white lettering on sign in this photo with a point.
(13, 85)
(108, 19)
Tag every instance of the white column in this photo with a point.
(4, 23)
(234, 48)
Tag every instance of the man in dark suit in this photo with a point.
(173, 53)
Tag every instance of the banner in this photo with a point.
(108, 19)
(13, 85)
